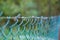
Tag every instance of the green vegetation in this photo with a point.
(29, 7)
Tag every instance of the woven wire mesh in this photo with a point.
(28, 28)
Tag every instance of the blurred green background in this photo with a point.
(30, 7)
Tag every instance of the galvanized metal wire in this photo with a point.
(28, 28)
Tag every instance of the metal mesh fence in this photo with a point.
(28, 28)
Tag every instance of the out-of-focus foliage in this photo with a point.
(9, 8)
(28, 7)
(46, 5)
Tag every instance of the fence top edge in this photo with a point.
(25, 17)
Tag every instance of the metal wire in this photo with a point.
(28, 28)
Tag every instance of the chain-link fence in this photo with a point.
(28, 28)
